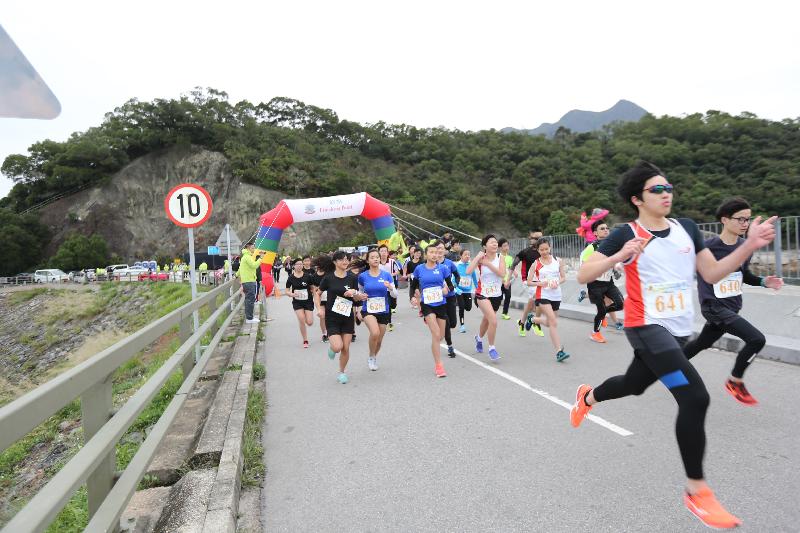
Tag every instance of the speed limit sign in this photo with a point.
(188, 205)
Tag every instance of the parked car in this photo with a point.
(91, 275)
(24, 277)
(128, 274)
(50, 275)
(78, 276)
(111, 268)
(155, 276)
(72, 273)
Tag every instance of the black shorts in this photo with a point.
(383, 318)
(496, 301)
(598, 290)
(336, 324)
(716, 313)
(555, 304)
(307, 305)
(439, 310)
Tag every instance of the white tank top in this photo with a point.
(490, 284)
(542, 272)
(659, 281)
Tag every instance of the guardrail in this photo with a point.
(94, 464)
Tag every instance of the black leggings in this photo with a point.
(753, 339)
(597, 296)
(464, 304)
(392, 305)
(506, 298)
(659, 356)
(276, 275)
(451, 322)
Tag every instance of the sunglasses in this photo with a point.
(658, 189)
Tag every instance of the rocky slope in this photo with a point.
(128, 212)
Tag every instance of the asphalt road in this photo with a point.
(400, 450)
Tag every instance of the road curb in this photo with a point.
(777, 348)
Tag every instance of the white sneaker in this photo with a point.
(253, 321)
(372, 363)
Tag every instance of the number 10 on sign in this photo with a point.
(188, 205)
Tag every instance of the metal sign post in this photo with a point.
(230, 265)
(189, 206)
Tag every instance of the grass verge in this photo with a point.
(254, 468)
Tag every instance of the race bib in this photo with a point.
(432, 295)
(730, 286)
(376, 304)
(301, 294)
(465, 282)
(492, 290)
(667, 300)
(342, 306)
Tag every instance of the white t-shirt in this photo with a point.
(543, 272)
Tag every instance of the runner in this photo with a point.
(319, 296)
(430, 280)
(721, 302)
(342, 289)
(547, 274)
(660, 257)
(491, 270)
(526, 258)
(307, 265)
(299, 288)
(602, 291)
(276, 271)
(504, 252)
(374, 312)
(450, 300)
(389, 266)
(465, 288)
(414, 260)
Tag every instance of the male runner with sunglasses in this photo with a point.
(721, 302)
(661, 255)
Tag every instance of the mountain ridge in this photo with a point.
(582, 121)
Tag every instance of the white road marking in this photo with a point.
(546, 395)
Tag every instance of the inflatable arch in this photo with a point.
(287, 212)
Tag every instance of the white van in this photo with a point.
(112, 268)
(50, 274)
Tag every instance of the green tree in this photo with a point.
(80, 251)
(559, 223)
(22, 240)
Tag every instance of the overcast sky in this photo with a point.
(465, 65)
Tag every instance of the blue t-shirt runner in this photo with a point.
(377, 302)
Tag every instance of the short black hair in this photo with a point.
(296, 260)
(597, 223)
(543, 240)
(487, 237)
(731, 206)
(501, 241)
(632, 182)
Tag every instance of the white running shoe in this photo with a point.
(372, 363)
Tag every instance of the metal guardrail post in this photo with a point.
(212, 306)
(96, 406)
(778, 249)
(186, 331)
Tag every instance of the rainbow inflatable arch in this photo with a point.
(288, 212)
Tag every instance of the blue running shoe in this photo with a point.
(331, 354)
(529, 322)
(619, 326)
(561, 355)
(462, 329)
(342, 378)
(478, 344)
(451, 351)
(582, 296)
(493, 355)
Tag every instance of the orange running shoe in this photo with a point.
(580, 409)
(440, 373)
(604, 323)
(705, 506)
(597, 337)
(740, 393)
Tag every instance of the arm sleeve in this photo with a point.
(414, 284)
(323, 285)
(456, 273)
(614, 242)
(694, 232)
(748, 277)
(588, 251)
(289, 281)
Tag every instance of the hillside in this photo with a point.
(579, 121)
(251, 155)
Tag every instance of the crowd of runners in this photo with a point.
(661, 258)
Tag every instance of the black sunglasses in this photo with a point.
(658, 189)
